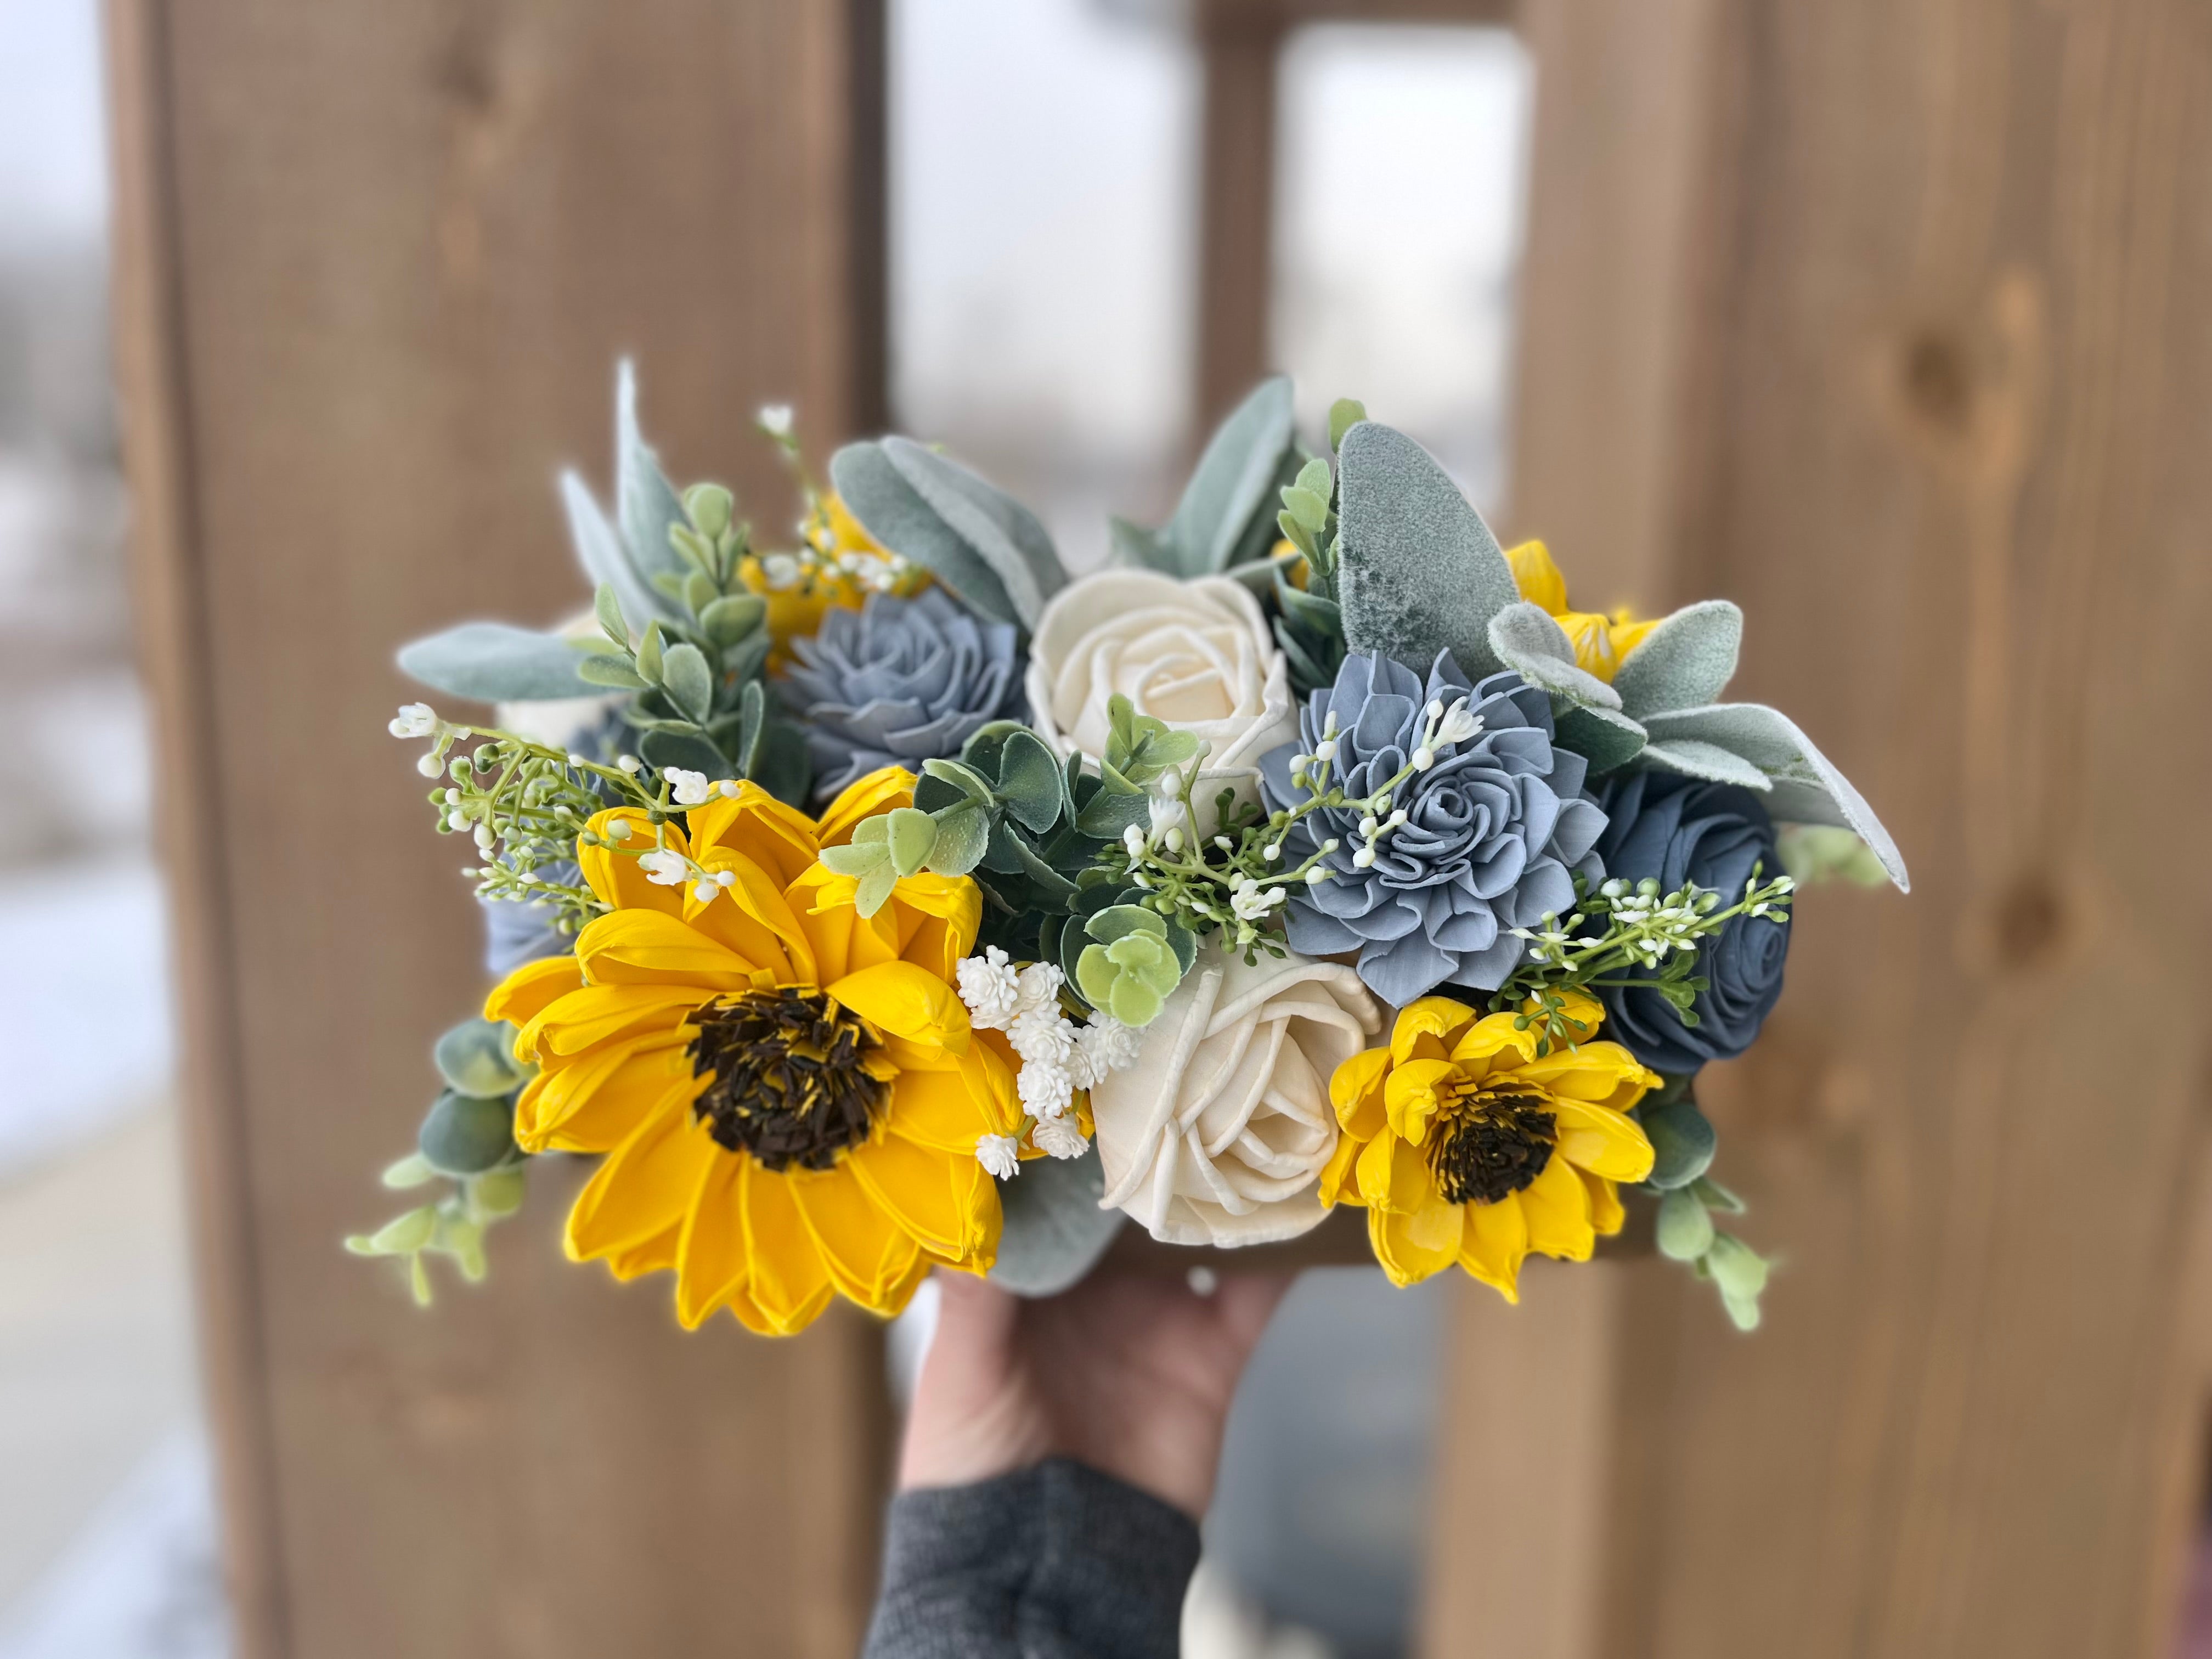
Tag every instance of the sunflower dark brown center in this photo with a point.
(1497, 1143)
(793, 1081)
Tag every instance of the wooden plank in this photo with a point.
(1943, 377)
(377, 263)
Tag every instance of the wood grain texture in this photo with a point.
(378, 262)
(1936, 384)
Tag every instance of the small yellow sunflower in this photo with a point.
(788, 1094)
(1601, 641)
(1466, 1145)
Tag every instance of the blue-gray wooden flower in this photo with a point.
(1681, 829)
(1494, 830)
(897, 683)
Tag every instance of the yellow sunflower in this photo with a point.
(1601, 641)
(1465, 1145)
(788, 1094)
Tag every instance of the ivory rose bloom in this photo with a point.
(1196, 654)
(1220, 1132)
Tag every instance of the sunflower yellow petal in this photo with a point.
(755, 824)
(1607, 1215)
(948, 1203)
(863, 798)
(751, 918)
(1339, 1182)
(655, 1254)
(1537, 576)
(593, 1103)
(1491, 1044)
(867, 1255)
(1413, 1093)
(616, 877)
(906, 1001)
(644, 1186)
(525, 992)
(604, 1013)
(650, 947)
(1416, 1243)
(1493, 1244)
(786, 1276)
(710, 1254)
(1426, 1029)
(1355, 1089)
(1557, 1209)
(948, 1109)
(1605, 1142)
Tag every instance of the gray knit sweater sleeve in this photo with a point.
(1055, 1562)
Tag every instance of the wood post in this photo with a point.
(1888, 321)
(376, 267)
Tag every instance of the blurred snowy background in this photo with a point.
(1043, 280)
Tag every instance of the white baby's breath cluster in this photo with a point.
(1058, 1056)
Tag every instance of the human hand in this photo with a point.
(1132, 1374)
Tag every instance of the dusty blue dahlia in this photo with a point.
(897, 683)
(1494, 832)
(1682, 830)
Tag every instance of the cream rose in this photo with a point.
(1218, 1133)
(1196, 654)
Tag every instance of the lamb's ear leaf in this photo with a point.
(1133, 547)
(892, 511)
(600, 551)
(1693, 759)
(491, 662)
(1686, 662)
(1236, 478)
(1421, 572)
(1807, 788)
(1053, 1231)
(646, 503)
(1002, 532)
(663, 749)
(1526, 640)
(1605, 738)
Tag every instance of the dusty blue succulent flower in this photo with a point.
(1494, 830)
(897, 683)
(1681, 829)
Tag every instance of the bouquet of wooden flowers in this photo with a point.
(899, 900)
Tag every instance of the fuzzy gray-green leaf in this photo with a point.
(962, 834)
(1234, 480)
(1604, 736)
(1694, 759)
(646, 503)
(1685, 661)
(1005, 535)
(600, 550)
(1053, 1231)
(1684, 1230)
(1028, 779)
(1807, 788)
(893, 511)
(1682, 1142)
(1526, 640)
(1420, 571)
(491, 662)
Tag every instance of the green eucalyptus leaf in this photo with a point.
(1119, 921)
(1111, 813)
(498, 1192)
(733, 617)
(1682, 1142)
(1029, 780)
(651, 648)
(699, 591)
(1343, 415)
(405, 1234)
(1309, 510)
(477, 1057)
(1684, 1230)
(613, 622)
(856, 858)
(464, 1135)
(709, 506)
(1716, 1196)
(691, 750)
(608, 669)
(1317, 478)
(688, 680)
(875, 888)
(912, 835)
(412, 1170)
(1739, 1270)
(970, 782)
(962, 833)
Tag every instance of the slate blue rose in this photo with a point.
(897, 683)
(1494, 831)
(1681, 829)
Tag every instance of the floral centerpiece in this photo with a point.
(897, 900)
